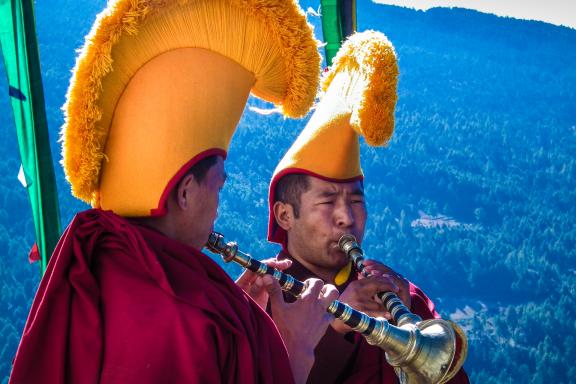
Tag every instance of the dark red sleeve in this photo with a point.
(421, 304)
(51, 349)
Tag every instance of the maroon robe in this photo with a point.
(349, 358)
(122, 303)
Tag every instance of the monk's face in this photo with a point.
(204, 198)
(327, 211)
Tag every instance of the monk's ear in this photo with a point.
(186, 191)
(284, 215)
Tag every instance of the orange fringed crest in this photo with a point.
(372, 56)
(291, 84)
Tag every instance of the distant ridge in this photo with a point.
(508, 17)
(375, 15)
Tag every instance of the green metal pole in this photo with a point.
(22, 62)
(338, 22)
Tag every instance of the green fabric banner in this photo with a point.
(338, 22)
(21, 59)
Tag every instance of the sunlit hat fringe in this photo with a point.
(84, 139)
(372, 55)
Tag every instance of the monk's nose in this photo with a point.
(344, 216)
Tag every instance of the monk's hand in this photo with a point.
(303, 322)
(253, 285)
(375, 268)
(361, 295)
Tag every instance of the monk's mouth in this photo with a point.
(334, 247)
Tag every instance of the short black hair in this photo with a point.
(289, 189)
(198, 170)
(201, 168)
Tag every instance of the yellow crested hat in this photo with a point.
(161, 84)
(358, 98)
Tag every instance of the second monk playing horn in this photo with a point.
(317, 194)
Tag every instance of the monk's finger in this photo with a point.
(256, 287)
(371, 306)
(328, 294)
(246, 279)
(274, 291)
(373, 265)
(376, 272)
(280, 265)
(312, 289)
(370, 287)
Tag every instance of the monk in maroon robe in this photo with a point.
(136, 301)
(155, 97)
(316, 195)
(124, 303)
(310, 215)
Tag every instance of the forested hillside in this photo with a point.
(473, 200)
